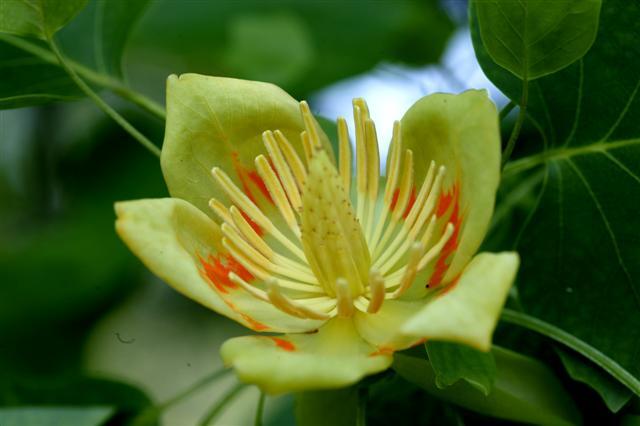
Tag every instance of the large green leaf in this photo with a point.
(525, 390)
(29, 72)
(614, 394)
(27, 80)
(580, 244)
(55, 416)
(40, 18)
(453, 362)
(533, 38)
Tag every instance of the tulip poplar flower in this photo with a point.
(333, 264)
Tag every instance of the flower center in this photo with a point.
(328, 256)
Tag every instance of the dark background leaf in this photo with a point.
(614, 394)
(453, 362)
(581, 242)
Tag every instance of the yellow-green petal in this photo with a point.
(175, 240)
(462, 133)
(334, 357)
(218, 122)
(468, 312)
(382, 329)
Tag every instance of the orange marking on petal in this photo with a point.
(217, 269)
(394, 199)
(257, 181)
(284, 344)
(252, 224)
(382, 350)
(444, 202)
(410, 202)
(242, 175)
(253, 324)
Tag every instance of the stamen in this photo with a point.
(344, 298)
(406, 185)
(244, 203)
(284, 173)
(294, 161)
(404, 192)
(373, 174)
(255, 292)
(282, 302)
(435, 250)
(220, 210)
(277, 193)
(345, 154)
(361, 158)
(410, 270)
(376, 285)
(249, 252)
(310, 125)
(393, 172)
(248, 232)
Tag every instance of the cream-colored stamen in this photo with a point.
(294, 161)
(410, 270)
(284, 173)
(378, 290)
(292, 307)
(344, 298)
(344, 154)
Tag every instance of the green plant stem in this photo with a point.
(610, 366)
(506, 110)
(361, 413)
(101, 103)
(90, 75)
(220, 405)
(193, 388)
(522, 114)
(151, 414)
(259, 410)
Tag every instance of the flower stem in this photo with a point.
(221, 405)
(90, 75)
(361, 413)
(616, 370)
(259, 410)
(100, 102)
(506, 110)
(518, 125)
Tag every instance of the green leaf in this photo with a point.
(40, 18)
(85, 391)
(525, 390)
(533, 38)
(29, 72)
(453, 362)
(27, 80)
(335, 407)
(114, 20)
(612, 392)
(580, 250)
(55, 416)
